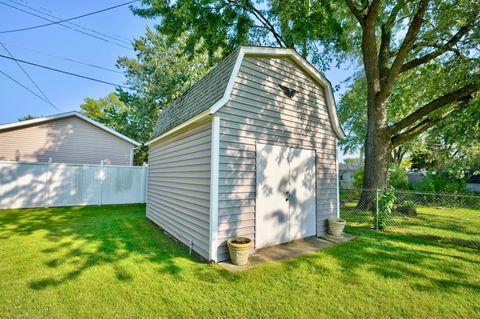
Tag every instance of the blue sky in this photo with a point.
(42, 44)
(64, 91)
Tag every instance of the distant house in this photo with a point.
(64, 138)
(250, 150)
(415, 177)
(345, 174)
(473, 183)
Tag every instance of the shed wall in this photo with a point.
(259, 112)
(178, 196)
(65, 140)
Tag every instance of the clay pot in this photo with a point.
(239, 249)
(336, 226)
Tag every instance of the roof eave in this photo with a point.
(65, 115)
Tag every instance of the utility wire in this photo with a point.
(69, 19)
(26, 88)
(28, 75)
(49, 13)
(68, 27)
(66, 58)
(61, 71)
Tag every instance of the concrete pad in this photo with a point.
(335, 239)
(287, 251)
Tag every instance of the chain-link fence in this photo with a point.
(450, 218)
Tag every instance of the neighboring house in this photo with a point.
(416, 177)
(64, 138)
(346, 172)
(473, 183)
(250, 150)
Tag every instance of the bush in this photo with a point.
(358, 178)
(408, 208)
(443, 182)
(385, 206)
(398, 177)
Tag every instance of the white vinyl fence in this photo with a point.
(25, 185)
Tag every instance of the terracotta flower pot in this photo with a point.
(336, 226)
(239, 249)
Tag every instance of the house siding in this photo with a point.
(178, 198)
(65, 140)
(259, 112)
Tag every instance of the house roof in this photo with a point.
(65, 115)
(475, 176)
(211, 92)
(203, 94)
(349, 167)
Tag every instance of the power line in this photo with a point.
(69, 19)
(28, 75)
(68, 27)
(26, 88)
(64, 72)
(66, 59)
(49, 13)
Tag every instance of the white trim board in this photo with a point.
(214, 170)
(193, 120)
(65, 115)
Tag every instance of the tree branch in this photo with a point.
(353, 8)
(247, 6)
(441, 49)
(425, 125)
(461, 93)
(405, 48)
(384, 52)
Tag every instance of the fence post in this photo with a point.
(101, 176)
(145, 184)
(47, 184)
(376, 209)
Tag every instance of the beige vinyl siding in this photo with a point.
(178, 198)
(65, 140)
(259, 112)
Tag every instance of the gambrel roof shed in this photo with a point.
(250, 150)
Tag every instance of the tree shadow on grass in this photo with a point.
(84, 237)
(424, 263)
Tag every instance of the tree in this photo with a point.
(395, 40)
(114, 113)
(160, 72)
(111, 112)
(455, 138)
(28, 117)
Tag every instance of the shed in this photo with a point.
(69, 137)
(249, 150)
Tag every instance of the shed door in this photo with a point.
(285, 206)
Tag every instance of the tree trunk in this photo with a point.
(378, 149)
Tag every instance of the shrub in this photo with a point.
(385, 206)
(408, 208)
(398, 177)
(358, 178)
(443, 182)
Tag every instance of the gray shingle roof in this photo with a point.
(203, 94)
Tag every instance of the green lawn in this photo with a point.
(459, 226)
(111, 262)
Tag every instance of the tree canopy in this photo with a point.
(419, 59)
(159, 73)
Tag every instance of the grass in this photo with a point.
(110, 261)
(459, 226)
